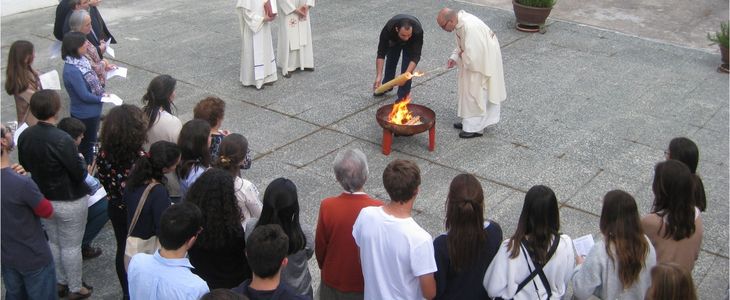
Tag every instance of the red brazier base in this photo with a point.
(388, 139)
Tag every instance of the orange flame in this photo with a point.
(400, 113)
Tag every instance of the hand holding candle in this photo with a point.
(399, 81)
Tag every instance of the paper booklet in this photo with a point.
(118, 71)
(50, 81)
(112, 98)
(109, 49)
(583, 245)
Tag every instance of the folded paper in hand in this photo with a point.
(109, 49)
(119, 71)
(583, 245)
(112, 98)
(50, 81)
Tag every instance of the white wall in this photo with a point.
(9, 7)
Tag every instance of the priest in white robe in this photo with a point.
(294, 49)
(258, 64)
(481, 76)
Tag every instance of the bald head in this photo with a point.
(447, 19)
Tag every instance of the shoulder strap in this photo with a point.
(538, 268)
(140, 205)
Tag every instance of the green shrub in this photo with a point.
(537, 3)
(720, 37)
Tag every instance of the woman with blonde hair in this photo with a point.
(669, 281)
(618, 266)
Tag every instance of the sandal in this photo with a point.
(80, 294)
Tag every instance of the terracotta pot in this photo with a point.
(531, 16)
(724, 53)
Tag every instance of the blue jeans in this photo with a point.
(86, 148)
(95, 221)
(391, 62)
(32, 285)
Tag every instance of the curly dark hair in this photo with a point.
(215, 195)
(123, 133)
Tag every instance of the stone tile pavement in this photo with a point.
(587, 111)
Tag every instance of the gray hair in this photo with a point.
(351, 169)
(76, 21)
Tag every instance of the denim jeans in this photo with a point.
(86, 147)
(37, 284)
(391, 62)
(95, 221)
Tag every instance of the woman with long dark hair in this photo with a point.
(150, 169)
(537, 261)
(465, 251)
(219, 253)
(618, 265)
(84, 89)
(194, 141)
(674, 224)
(158, 105)
(163, 125)
(686, 151)
(281, 207)
(122, 136)
(21, 80)
(231, 158)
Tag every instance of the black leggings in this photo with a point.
(118, 216)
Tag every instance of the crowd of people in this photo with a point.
(189, 225)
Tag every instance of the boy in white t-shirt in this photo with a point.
(396, 254)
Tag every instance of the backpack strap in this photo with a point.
(538, 268)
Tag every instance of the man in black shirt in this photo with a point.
(402, 33)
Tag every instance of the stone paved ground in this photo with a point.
(587, 111)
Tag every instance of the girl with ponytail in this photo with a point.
(231, 158)
(281, 207)
(618, 267)
(465, 251)
(162, 158)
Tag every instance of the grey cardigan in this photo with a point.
(598, 276)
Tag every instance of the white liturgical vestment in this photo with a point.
(481, 76)
(258, 64)
(294, 48)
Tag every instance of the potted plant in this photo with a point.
(721, 38)
(531, 14)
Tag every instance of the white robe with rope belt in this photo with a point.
(294, 49)
(258, 64)
(481, 77)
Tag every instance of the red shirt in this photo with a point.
(337, 253)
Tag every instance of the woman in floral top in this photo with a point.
(122, 136)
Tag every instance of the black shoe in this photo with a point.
(469, 135)
(458, 126)
(309, 69)
(287, 75)
(62, 290)
(380, 94)
(89, 252)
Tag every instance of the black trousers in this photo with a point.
(118, 216)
